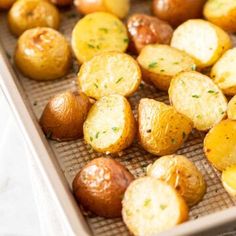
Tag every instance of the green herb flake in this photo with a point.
(211, 91)
(176, 63)
(199, 116)
(162, 70)
(184, 135)
(126, 40)
(195, 96)
(193, 67)
(161, 59)
(104, 131)
(105, 30)
(97, 135)
(105, 86)
(152, 65)
(91, 139)
(147, 202)
(115, 129)
(95, 85)
(118, 81)
(90, 45)
(163, 207)
(98, 47)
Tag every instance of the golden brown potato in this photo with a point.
(160, 63)
(144, 30)
(110, 125)
(64, 116)
(6, 4)
(206, 50)
(182, 174)
(28, 14)
(109, 73)
(62, 3)
(100, 186)
(177, 11)
(98, 32)
(228, 179)
(43, 54)
(231, 112)
(221, 13)
(151, 206)
(220, 143)
(162, 130)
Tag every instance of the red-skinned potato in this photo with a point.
(100, 186)
(177, 11)
(144, 30)
(64, 115)
(62, 3)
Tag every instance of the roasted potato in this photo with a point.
(110, 125)
(98, 32)
(62, 3)
(220, 143)
(224, 72)
(120, 8)
(6, 4)
(196, 96)
(202, 40)
(28, 14)
(228, 179)
(151, 206)
(221, 13)
(144, 29)
(231, 112)
(100, 186)
(182, 174)
(177, 11)
(162, 130)
(43, 54)
(64, 116)
(109, 73)
(160, 63)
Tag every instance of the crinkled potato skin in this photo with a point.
(43, 54)
(6, 4)
(100, 186)
(64, 116)
(144, 29)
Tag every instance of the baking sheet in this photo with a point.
(74, 154)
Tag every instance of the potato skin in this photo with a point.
(87, 7)
(27, 14)
(62, 3)
(177, 11)
(144, 30)
(50, 54)
(64, 115)
(6, 4)
(100, 186)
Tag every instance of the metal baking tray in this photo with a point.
(60, 161)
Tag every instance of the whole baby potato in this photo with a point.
(100, 186)
(6, 4)
(177, 11)
(144, 30)
(64, 116)
(43, 54)
(27, 14)
(62, 3)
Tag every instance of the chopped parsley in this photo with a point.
(115, 129)
(105, 30)
(152, 65)
(95, 85)
(163, 207)
(91, 139)
(147, 202)
(121, 78)
(91, 45)
(97, 135)
(126, 40)
(176, 63)
(211, 91)
(162, 70)
(195, 96)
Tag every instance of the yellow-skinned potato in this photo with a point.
(224, 72)
(98, 32)
(28, 14)
(160, 63)
(6, 4)
(198, 97)
(162, 130)
(221, 13)
(151, 206)
(220, 143)
(182, 174)
(228, 179)
(109, 73)
(231, 112)
(64, 115)
(110, 125)
(49, 57)
(202, 40)
(120, 8)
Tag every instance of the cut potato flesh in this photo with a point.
(220, 145)
(119, 8)
(98, 32)
(202, 40)
(224, 72)
(162, 62)
(196, 96)
(110, 127)
(231, 112)
(109, 73)
(229, 180)
(151, 206)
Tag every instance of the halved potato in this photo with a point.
(202, 40)
(220, 143)
(229, 180)
(231, 112)
(110, 125)
(109, 73)
(160, 63)
(196, 96)
(221, 13)
(162, 130)
(6, 4)
(151, 206)
(98, 32)
(182, 174)
(224, 72)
